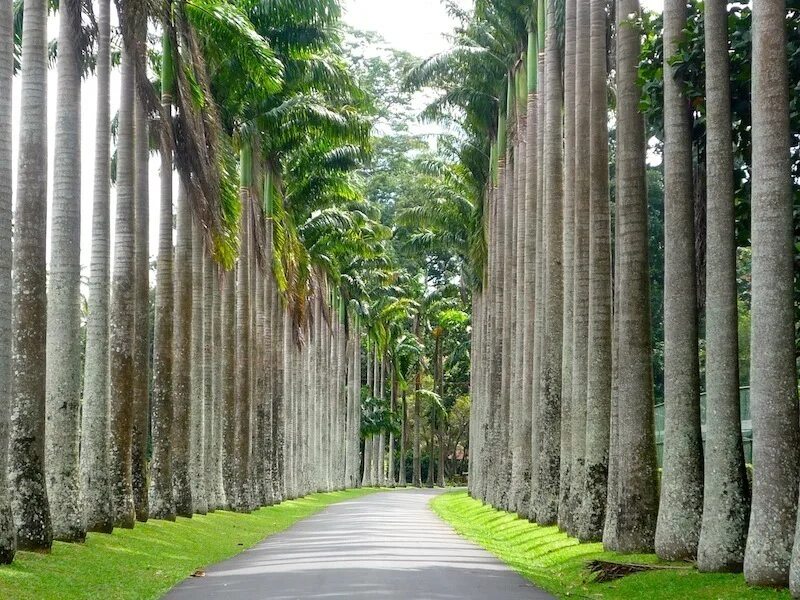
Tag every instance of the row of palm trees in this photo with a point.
(243, 388)
(562, 427)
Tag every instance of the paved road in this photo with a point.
(387, 545)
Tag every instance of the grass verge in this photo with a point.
(555, 562)
(148, 560)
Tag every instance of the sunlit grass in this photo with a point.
(555, 562)
(147, 561)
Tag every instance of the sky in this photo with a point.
(416, 26)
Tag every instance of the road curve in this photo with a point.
(388, 545)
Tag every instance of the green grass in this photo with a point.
(148, 560)
(556, 562)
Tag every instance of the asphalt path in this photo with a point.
(388, 545)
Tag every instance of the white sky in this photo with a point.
(416, 26)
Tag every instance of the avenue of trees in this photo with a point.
(286, 326)
(235, 382)
(565, 108)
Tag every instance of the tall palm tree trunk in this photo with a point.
(181, 379)
(7, 533)
(520, 430)
(537, 425)
(278, 407)
(773, 370)
(122, 314)
(550, 393)
(216, 387)
(580, 286)
(240, 499)
(529, 280)
(598, 376)
(393, 408)
(26, 476)
(259, 384)
(417, 462)
(162, 503)
(95, 423)
(209, 431)
(382, 436)
(726, 499)
(681, 506)
(402, 481)
(141, 350)
(497, 235)
(62, 430)
(564, 506)
(637, 493)
(228, 385)
(197, 406)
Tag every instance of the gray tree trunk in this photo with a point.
(580, 309)
(26, 476)
(181, 380)
(228, 385)
(637, 493)
(141, 350)
(529, 305)
(681, 507)
(7, 533)
(773, 371)
(564, 505)
(538, 337)
(417, 461)
(218, 425)
(162, 504)
(209, 430)
(197, 463)
(393, 408)
(598, 376)
(240, 500)
(550, 393)
(726, 504)
(520, 424)
(122, 315)
(95, 422)
(403, 442)
(63, 377)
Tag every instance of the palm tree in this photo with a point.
(62, 431)
(181, 380)
(95, 490)
(681, 506)
(121, 317)
(529, 277)
(598, 380)
(162, 504)
(550, 392)
(228, 384)
(570, 149)
(417, 461)
(580, 310)
(773, 371)
(240, 500)
(726, 503)
(537, 424)
(7, 533)
(26, 450)
(520, 423)
(197, 414)
(636, 505)
(209, 438)
(141, 351)
(218, 433)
